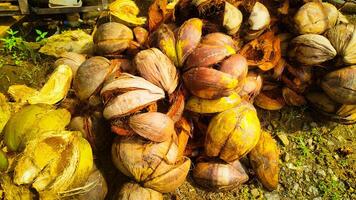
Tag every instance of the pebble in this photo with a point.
(295, 187)
(255, 193)
(330, 171)
(310, 142)
(272, 196)
(286, 157)
(321, 172)
(317, 198)
(283, 138)
(290, 166)
(313, 191)
(336, 157)
(307, 179)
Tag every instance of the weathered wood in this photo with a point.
(24, 7)
(7, 22)
(44, 11)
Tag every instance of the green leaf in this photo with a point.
(39, 32)
(44, 34)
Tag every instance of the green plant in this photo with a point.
(302, 147)
(331, 189)
(40, 35)
(18, 48)
(11, 41)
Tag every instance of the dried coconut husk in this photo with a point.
(217, 174)
(297, 78)
(270, 100)
(264, 158)
(126, 94)
(153, 126)
(54, 163)
(177, 101)
(263, 52)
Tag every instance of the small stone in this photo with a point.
(330, 143)
(330, 171)
(286, 157)
(290, 166)
(295, 187)
(272, 196)
(336, 157)
(310, 142)
(321, 172)
(317, 198)
(283, 138)
(313, 124)
(313, 191)
(307, 179)
(255, 193)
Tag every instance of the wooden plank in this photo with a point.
(44, 11)
(24, 7)
(7, 22)
(7, 7)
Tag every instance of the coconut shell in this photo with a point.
(340, 85)
(133, 191)
(204, 106)
(153, 126)
(156, 67)
(209, 83)
(188, 38)
(90, 76)
(219, 175)
(206, 55)
(112, 38)
(233, 133)
(264, 158)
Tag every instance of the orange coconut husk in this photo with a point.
(263, 52)
(270, 100)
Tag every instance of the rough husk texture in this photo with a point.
(156, 67)
(343, 38)
(315, 17)
(233, 133)
(54, 163)
(199, 105)
(69, 41)
(340, 85)
(219, 175)
(188, 38)
(155, 165)
(126, 94)
(154, 126)
(31, 122)
(264, 158)
(84, 85)
(112, 37)
(133, 191)
(209, 83)
(311, 49)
